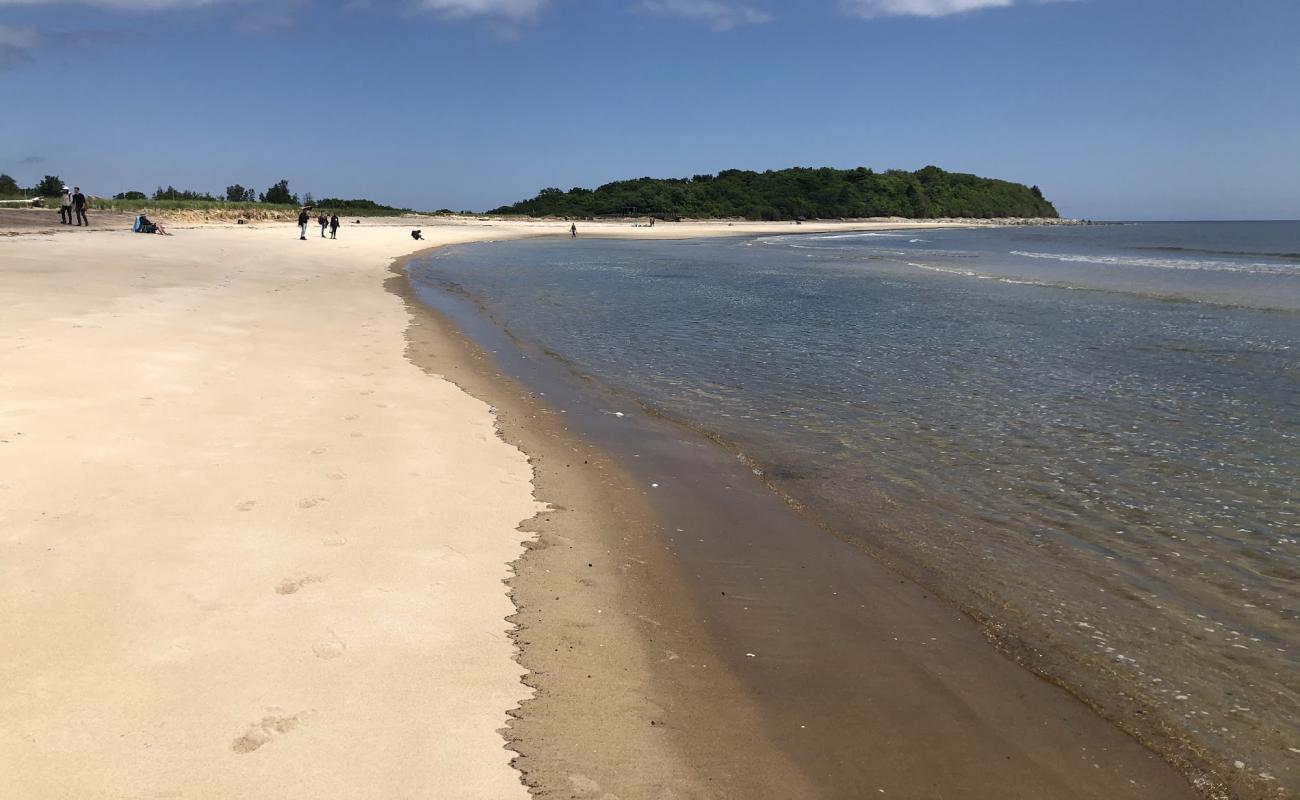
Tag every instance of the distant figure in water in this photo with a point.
(573, 231)
(416, 236)
(324, 223)
(303, 219)
(334, 226)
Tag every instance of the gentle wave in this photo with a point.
(860, 236)
(1164, 263)
(966, 273)
(1244, 253)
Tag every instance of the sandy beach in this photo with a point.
(263, 535)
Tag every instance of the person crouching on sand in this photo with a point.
(334, 226)
(303, 219)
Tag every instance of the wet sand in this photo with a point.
(859, 680)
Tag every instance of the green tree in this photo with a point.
(279, 193)
(50, 186)
(172, 193)
(9, 187)
(238, 194)
(799, 192)
(130, 196)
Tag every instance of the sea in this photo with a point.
(1087, 436)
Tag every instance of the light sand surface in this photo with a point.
(247, 548)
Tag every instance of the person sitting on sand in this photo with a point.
(416, 236)
(144, 225)
(334, 226)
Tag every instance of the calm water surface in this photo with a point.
(1092, 435)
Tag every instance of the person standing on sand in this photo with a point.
(303, 219)
(573, 231)
(324, 223)
(79, 203)
(334, 226)
(65, 207)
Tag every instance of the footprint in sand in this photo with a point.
(247, 505)
(311, 502)
(271, 726)
(335, 476)
(334, 541)
(582, 786)
(351, 417)
(318, 451)
(331, 648)
(292, 585)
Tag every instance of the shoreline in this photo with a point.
(243, 302)
(585, 584)
(921, 611)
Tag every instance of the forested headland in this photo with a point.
(797, 193)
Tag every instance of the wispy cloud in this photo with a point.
(918, 8)
(19, 44)
(719, 15)
(513, 10)
(129, 5)
(264, 15)
(31, 161)
(16, 44)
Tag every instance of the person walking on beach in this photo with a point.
(573, 231)
(303, 219)
(334, 226)
(65, 207)
(324, 223)
(79, 203)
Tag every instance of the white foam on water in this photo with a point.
(966, 273)
(859, 235)
(1164, 263)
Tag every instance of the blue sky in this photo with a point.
(1118, 109)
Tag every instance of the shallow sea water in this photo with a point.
(1090, 435)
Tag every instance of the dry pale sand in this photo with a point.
(247, 548)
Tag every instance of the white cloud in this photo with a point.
(18, 37)
(508, 9)
(125, 5)
(19, 44)
(717, 14)
(16, 44)
(918, 8)
(516, 10)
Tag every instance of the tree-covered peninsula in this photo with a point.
(796, 193)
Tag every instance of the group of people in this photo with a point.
(331, 222)
(71, 201)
